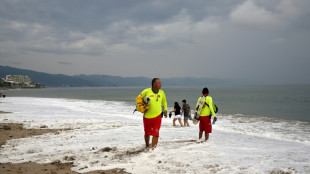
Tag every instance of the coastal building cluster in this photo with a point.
(19, 81)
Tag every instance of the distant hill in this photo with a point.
(52, 80)
(60, 80)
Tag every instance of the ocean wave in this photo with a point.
(269, 127)
(76, 113)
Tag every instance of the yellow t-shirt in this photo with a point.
(206, 110)
(158, 100)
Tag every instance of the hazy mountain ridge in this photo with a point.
(60, 80)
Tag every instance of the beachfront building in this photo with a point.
(18, 79)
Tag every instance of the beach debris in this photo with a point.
(43, 127)
(69, 158)
(56, 162)
(281, 171)
(6, 127)
(85, 167)
(108, 149)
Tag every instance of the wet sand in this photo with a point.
(13, 131)
(2, 112)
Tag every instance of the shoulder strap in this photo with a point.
(206, 102)
(215, 108)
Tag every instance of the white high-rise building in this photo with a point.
(19, 79)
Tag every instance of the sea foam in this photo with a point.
(106, 134)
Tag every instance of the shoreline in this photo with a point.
(10, 131)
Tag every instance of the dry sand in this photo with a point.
(13, 131)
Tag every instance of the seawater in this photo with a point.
(249, 137)
(277, 101)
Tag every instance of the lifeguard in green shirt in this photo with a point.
(205, 114)
(153, 115)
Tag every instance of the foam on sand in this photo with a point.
(106, 135)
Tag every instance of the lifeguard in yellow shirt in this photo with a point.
(153, 115)
(205, 114)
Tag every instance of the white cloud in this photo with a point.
(249, 13)
(279, 14)
(17, 25)
(85, 42)
(287, 9)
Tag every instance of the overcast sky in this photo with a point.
(263, 40)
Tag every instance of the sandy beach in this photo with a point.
(13, 131)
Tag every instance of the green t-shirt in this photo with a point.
(158, 100)
(206, 110)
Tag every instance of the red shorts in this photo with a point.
(152, 125)
(205, 124)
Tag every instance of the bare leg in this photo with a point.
(200, 135)
(174, 121)
(186, 123)
(147, 141)
(154, 141)
(180, 121)
(206, 136)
